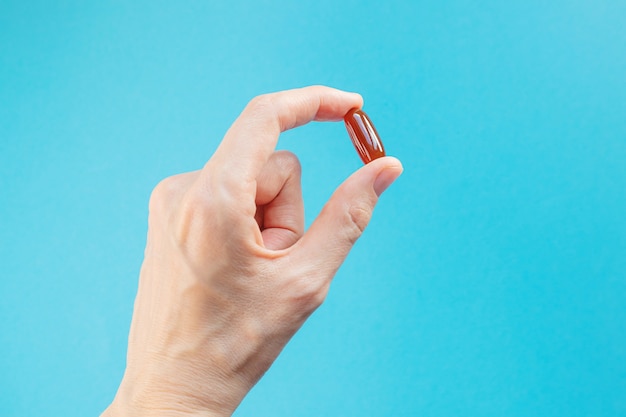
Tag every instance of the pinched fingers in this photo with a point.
(251, 140)
(223, 199)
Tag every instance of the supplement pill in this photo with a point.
(363, 135)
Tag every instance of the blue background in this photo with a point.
(492, 279)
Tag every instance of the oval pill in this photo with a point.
(363, 135)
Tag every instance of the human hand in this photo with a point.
(229, 274)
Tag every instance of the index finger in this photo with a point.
(252, 138)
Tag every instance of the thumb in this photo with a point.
(344, 217)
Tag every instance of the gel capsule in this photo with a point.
(363, 135)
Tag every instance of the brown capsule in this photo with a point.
(363, 135)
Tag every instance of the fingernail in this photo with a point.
(384, 179)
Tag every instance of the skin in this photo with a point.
(229, 273)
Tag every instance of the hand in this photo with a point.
(229, 274)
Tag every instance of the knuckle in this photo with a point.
(168, 194)
(289, 162)
(359, 216)
(162, 194)
(268, 109)
(308, 293)
(261, 104)
(301, 287)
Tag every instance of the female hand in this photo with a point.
(229, 274)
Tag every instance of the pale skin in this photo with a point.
(229, 273)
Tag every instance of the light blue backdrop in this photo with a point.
(492, 279)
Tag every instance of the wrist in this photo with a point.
(132, 404)
(117, 410)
